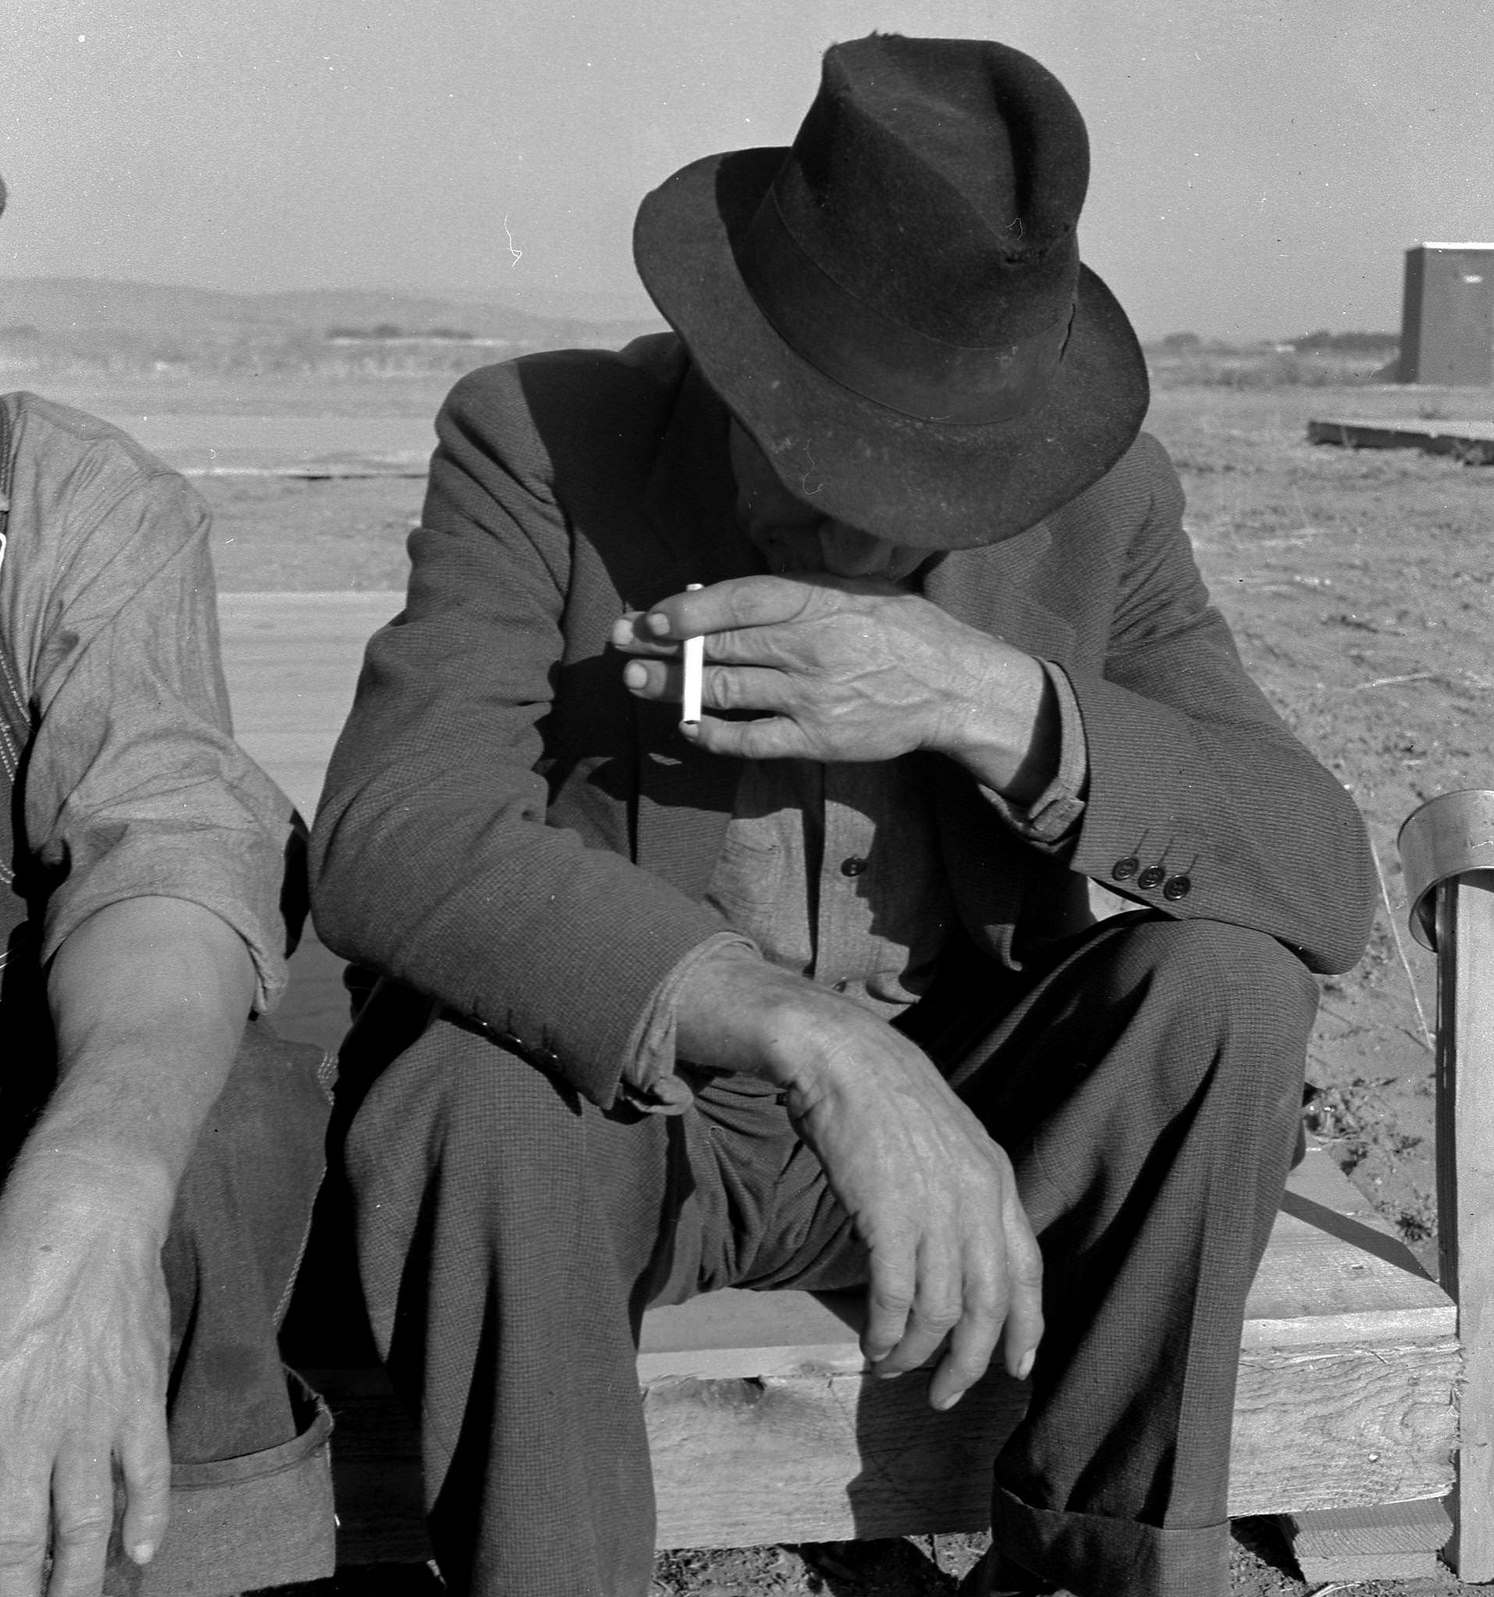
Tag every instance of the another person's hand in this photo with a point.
(844, 669)
(84, 1347)
(933, 1198)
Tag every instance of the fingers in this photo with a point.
(989, 1292)
(738, 602)
(68, 1504)
(145, 1461)
(1003, 1300)
(83, 1512)
(632, 635)
(889, 1301)
(768, 736)
(973, 1338)
(913, 1325)
(762, 692)
(25, 1511)
(1024, 1315)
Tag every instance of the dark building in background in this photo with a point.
(1447, 315)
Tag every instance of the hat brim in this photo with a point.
(917, 483)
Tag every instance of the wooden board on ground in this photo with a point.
(1393, 1541)
(1472, 442)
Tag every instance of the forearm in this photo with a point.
(149, 997)
(737, 1011)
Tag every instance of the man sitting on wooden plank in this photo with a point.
(805, 992)
(158, 1156)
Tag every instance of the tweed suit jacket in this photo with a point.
(508, 832)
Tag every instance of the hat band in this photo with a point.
(892, 365)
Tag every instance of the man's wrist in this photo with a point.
(736, 1011)
(1002, 722)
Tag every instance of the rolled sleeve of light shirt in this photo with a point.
(134, 786)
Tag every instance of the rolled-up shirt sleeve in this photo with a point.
(133, 785)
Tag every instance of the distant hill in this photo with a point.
(60, 307)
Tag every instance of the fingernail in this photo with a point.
(658, 623)
(635, 675)
(947, 1402)
(1024, 1369)
(143, 1553)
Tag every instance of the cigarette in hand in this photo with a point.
(694, 668)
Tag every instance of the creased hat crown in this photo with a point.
(941, 182)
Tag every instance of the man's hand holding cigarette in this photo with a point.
(844, 669)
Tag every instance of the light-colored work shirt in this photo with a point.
(133, 785)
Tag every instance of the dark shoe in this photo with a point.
(995, 1576)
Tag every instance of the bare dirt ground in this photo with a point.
(1359, 587)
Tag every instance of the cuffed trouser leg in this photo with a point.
(510, 1236)
(251, 1491)
(1149, 1093)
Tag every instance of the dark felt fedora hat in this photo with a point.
(894, 308)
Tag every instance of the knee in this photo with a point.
(1240, 986)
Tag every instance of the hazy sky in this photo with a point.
(1259, 165)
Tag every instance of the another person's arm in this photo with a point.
(159, 850)
(148, 997)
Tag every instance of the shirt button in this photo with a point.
(1176, 887)
(1124, 869)
(854, 866)
(1151, 877)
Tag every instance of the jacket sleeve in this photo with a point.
(1201, 803)
(433, 860)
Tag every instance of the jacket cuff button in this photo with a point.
(1176, 887)
(1151, 877)
(1124, 869)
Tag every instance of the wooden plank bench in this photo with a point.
(763, 1428)
(1349, 1365)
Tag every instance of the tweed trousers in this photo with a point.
(1145, 1080)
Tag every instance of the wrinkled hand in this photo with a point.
(84, 1344)
(931, 1196)
(835, 668)
(935, 1201)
